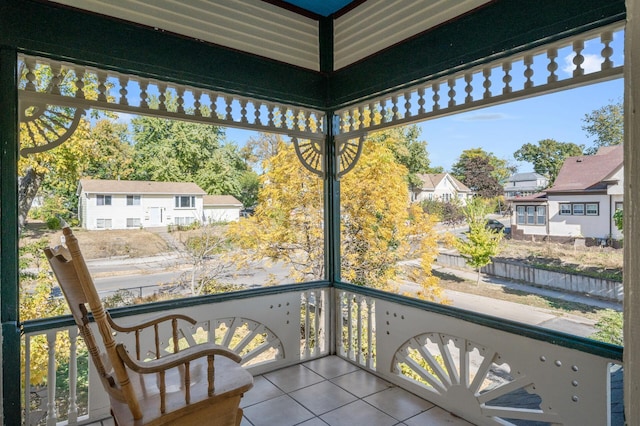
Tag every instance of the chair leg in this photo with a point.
(239, 417)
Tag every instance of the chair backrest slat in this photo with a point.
(79, 289)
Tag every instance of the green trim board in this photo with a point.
(9, 233)
(500, 29)
(40, 29)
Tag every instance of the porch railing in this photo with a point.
(486, 370)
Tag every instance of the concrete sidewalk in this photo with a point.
(569, 297)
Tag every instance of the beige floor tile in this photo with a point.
(398, 403)
(322, 397)
(293, 378)
(331, 366)
(280, 411)
(358, 413)
(361, 384)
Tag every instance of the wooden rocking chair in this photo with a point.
(200, 385)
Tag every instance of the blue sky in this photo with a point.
(505, 128)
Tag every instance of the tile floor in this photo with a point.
(331, 391)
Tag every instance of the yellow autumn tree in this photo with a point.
(287, 224)
(378, 228)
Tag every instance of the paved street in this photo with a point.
(143, 276)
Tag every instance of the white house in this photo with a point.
(522, 184)
(121, 204)
(221, 208)
(581, 202)
(441, 187)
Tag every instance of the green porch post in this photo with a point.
(9, 236)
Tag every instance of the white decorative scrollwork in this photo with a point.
(348, 152)
(53, 96)
(503, 80)
(474, 375)
(48, 126)
(311, 154)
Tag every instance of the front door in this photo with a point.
(155, 214)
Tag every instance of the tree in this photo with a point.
(481, 243)
(177, 151)
(479, 176)
(547, 156)
(408, 151)
(378, 229)
(55, 172)
(606, 125)
(501, 168)
(204, 250)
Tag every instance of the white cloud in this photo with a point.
(490, 116)
(591, 63)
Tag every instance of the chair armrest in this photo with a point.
(176, 359)
(149, 322)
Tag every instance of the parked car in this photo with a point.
(494, 225)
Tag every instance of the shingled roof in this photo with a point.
(221, 200)
(588, 172)
(431, 180)
(139, 187)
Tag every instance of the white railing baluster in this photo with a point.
(52, 413)
(552, 67)
(370, 334)
(27, 378)
(578, 59)
(72, 414)
(528, 71)
(506, 79)
(359, 330)
(607, 51)
(468, 88)
(486, 73)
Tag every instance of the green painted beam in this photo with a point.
(502, 28)
(9, 234)
(72, 35)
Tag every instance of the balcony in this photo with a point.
(350, 355)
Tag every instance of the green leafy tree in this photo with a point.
(501, 167)
(606, 125)
(480, 243)
(408, 150)
(547, 156)
(176, 151)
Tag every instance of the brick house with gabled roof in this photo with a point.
(580, 203)
(122, 204)
(441, 187)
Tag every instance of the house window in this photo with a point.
(531, 215)
(541, 217)
(619, 205)
(520, 215)
(103, 223)
(185, 201)
(103, 200)
(565, 209)
(133, 222)
(577, 209)
(592, 209)
(184, 221)
(133, 200)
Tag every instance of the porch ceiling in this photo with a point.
(288, 31)
(290, 51)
